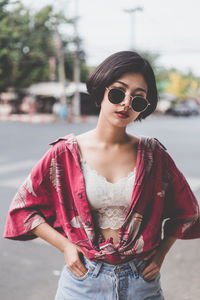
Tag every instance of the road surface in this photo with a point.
(30, 270)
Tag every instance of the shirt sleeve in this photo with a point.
(33, 203)
(181, 206)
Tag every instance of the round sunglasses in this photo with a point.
(138, 103)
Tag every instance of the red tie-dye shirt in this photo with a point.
(162, 203)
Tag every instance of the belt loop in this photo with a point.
(97, 269)
(133, 268)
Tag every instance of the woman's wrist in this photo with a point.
(51, 236)
(166, 244)
(65, 245)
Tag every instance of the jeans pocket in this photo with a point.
(153, 280)
(143, 265)
(76, 277)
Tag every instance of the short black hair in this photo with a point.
(113, 67)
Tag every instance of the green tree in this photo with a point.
(36, 49)
(27, 43)
(9, 44)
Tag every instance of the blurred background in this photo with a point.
(47, 50)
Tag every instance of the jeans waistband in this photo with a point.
(132, 266)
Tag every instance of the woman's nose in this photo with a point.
(127, 101)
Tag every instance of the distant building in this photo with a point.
(48, 93)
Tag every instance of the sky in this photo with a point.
(169, 28)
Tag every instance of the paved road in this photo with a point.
(30, 270)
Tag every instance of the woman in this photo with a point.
(113, 203)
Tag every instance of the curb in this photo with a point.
(38, 118)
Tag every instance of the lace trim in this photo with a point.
(130, 174)
(110, 217)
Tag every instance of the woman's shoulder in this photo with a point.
(151, 142)
(84, 137)
(142, 141)
(70, 138)
(63, 144)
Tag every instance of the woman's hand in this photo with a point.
(72, 255)
(71, 251)
(156, 258)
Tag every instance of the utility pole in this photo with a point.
(76, 106)
(61, 67)
(131, 12)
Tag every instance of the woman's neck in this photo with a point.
(108, 134)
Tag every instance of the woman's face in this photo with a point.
(133, 84)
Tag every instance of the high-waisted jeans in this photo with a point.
(109, 282)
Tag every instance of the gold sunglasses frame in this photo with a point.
(131, 97)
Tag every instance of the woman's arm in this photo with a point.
(71, 251)
(157, 257)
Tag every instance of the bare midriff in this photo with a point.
(108, 233)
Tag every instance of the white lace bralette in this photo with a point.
(109, 202)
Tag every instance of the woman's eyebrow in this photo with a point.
(123, 83)
(126, 85)
(141, 90)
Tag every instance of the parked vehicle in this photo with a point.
(188, 108)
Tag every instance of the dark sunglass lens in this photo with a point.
(115, 96)
(139, 104)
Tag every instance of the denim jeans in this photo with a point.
(109, 282)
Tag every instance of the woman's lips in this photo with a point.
(122, 114)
